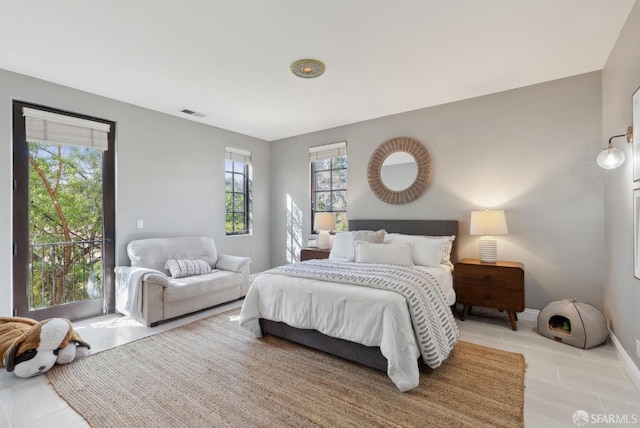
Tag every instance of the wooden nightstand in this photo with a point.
(497, 285)
(314, 253)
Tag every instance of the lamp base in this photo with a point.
(488, 249)
(324, 240)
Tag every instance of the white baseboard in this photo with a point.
(629, 366)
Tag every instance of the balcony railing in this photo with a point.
(65, 272)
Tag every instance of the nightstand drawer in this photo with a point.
(495, 297)
(494, 276)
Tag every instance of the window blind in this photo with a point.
(53, 128)
(327, 151)
(238, 155)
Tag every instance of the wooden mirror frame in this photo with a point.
(420, 184)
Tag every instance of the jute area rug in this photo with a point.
(212, 373)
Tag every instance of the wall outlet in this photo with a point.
(139, 224)
(638, 348)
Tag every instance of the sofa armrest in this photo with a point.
(129, 274)
(138, 291)
(156, 278)
(236, 264)
(232, 263)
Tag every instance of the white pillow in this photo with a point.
(342, 246)
(429, 252)
(344, 242)
(398, 238)
(393, 254)
(446, 251)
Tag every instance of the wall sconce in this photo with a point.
(487, 223)
(323, 223)
(611, 157)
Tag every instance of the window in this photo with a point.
(329, 182)
(238, 191)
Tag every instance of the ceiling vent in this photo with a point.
(191, 113)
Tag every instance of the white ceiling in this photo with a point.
(230, 59)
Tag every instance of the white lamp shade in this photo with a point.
(324, 221)
(610, 158)
(488, 222)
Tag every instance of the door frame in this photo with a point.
(21, 225)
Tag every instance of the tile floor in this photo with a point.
(560, 379)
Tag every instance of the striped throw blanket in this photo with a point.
(433, 322)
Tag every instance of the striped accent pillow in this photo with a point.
(181, 268)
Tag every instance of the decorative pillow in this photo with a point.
(446, 251)
(392, 254)
(398, 238)
(342, 247)
(181, 268)
(344, 242)
(429, 252)
(376, 237)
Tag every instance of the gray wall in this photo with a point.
(620, 79)
(169, 173)
(530, 151)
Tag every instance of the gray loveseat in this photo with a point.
(147, 292)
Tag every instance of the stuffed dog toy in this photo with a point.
(30, 347)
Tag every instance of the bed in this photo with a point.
(371, 325)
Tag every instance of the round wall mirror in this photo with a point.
(399, 170)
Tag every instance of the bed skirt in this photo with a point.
(369, 356)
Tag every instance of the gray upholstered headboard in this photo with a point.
(412, 227)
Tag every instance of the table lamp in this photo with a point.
(323, 223)
(488, 223)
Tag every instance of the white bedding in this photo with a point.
(370, 316)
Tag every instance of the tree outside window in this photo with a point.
(329, 189)
(65, 224)
(238, 197)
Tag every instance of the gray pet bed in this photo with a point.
(574, 323)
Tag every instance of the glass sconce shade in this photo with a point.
(610, 158)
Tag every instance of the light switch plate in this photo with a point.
(139, 224)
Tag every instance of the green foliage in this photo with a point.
(342, 224)
(237, 197)
(65, 194)
(330, 189)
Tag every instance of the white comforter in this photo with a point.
(370, 316)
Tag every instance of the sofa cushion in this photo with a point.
(153, 253)
(193, 286)
(180, 268)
